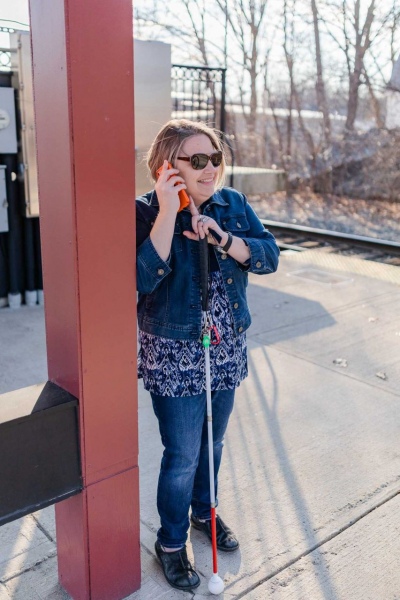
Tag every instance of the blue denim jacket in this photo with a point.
(169, 291)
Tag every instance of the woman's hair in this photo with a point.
(169, 140)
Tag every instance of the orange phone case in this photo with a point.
(183, 197)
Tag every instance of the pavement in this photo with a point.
(310, 478)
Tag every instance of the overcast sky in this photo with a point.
(12, 10)
(18, 10)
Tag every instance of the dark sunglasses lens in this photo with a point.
(199, 161)
(216, 159)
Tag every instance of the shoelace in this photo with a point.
(185, 562)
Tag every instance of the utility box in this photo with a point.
(8, 130)
(21, 64)
(152, 101)
(3, 201)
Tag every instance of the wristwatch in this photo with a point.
(228, 243)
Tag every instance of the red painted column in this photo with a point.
(83, 86)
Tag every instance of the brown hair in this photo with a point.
(170, 139)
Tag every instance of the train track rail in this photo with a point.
(300, 238)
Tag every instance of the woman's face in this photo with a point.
(200, 184)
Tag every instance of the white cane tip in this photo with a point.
(216, 585)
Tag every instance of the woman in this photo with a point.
(171, 357)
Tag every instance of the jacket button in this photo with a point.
(224, 257)
(240, 329)
(258, 264)
(230, 280)
(236, 305)
(160, 271)
(238, 225)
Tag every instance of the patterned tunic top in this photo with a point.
(176, 367)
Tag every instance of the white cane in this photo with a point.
(216, 584)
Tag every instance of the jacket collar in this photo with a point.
(216, 198)
(153, 200)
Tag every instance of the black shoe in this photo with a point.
(226, 539)
(177, 569)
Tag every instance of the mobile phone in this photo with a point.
(183, 197)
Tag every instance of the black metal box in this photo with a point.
(39, 450)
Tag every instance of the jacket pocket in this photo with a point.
(237, 224)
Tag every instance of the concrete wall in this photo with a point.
(392, 109)
(152, 101)
(251, 180)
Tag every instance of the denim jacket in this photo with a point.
(169, 301)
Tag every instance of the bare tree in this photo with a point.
(394, 26)
(354, 36)
(197, 12)
(374, 100)
(255, 40)
(246, 20)
(362, 43)
(186, 28)
(288, 47)
(320, 85)
(278, 141)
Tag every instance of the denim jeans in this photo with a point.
(184, 476)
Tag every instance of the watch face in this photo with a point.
(4, 119)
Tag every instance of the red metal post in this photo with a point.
(83, 85)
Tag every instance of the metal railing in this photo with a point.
(335, 237)
(198, 93)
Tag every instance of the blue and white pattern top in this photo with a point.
(177, 367)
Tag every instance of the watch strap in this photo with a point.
(228, 243)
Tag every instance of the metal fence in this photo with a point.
(198, 93)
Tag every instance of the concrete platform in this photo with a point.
(256, 180)
(311, 472)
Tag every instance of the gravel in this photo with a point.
(372, 218)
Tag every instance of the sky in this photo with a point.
(12, 9)
(19, 10)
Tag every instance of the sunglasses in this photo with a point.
(199, 161)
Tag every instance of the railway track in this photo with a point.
(300, 238)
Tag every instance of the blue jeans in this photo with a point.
(184, 476)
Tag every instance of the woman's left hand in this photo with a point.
(202, 225)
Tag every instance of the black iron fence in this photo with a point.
(198, 93)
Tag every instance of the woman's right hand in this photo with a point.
(167, 187)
